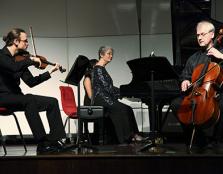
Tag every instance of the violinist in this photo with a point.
(205, 32)
(11, 95)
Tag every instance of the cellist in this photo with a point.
(205, 33)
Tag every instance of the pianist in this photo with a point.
(205, 34)
(98, 124)
(105, 94)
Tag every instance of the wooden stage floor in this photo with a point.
(169, 159)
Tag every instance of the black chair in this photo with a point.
(6, 112)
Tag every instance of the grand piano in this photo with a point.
(156, 86)
(164, 86)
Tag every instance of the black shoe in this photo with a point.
(139, 139)
(61, 146)
(53, 147)
(46, 147)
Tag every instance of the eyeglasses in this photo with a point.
(203, 34)
(26, 41)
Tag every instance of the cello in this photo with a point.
(200, 107)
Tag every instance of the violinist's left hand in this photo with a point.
(55, 68)
(214, 52)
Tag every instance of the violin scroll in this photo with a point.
(218, 39)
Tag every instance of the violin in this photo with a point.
(200, 107)
(218, 39)
(22, 54)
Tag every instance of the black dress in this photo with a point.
(121, 115)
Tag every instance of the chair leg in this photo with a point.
(77, 131)
(69, 137)
(86, 131)
(83, 132)
(20, 132)
(3, 142)
(80, 133)
(66, 122)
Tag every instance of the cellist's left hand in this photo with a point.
(214, 52)
(55, 68)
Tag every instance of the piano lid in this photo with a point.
(142, 67)
(77, 71)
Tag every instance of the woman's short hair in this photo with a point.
(103, 49)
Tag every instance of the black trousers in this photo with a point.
(32, 105)
(215, 132)
(122, 119)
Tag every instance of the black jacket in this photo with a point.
(11, 72)
(193, 61)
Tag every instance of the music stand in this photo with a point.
(74, 77)
(154, 68)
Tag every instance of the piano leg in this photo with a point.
(154, 121)
(154, 135)
(153, 114)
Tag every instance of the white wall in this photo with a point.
(64, 29)
(65, 51)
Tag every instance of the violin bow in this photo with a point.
(33, 44)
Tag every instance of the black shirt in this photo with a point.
(197, 58)
(103, 85)
(11, 72)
